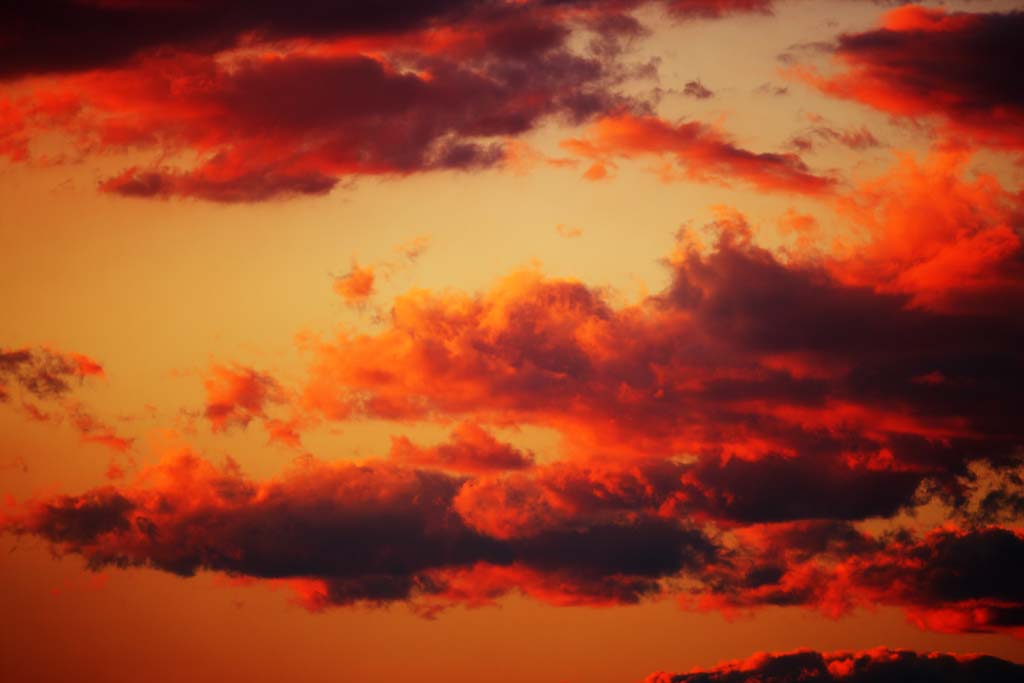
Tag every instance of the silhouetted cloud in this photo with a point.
(923, 62)
(880, 665)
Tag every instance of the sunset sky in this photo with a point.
(562, 341)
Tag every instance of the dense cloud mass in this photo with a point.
(245, 102)
(75, 35)
(375, 532)
(873, 666)
(959, 66)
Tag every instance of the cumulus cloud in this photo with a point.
(374, 532)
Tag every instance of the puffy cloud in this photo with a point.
(236, 395)
(372, 532)
(800, 369)
(950, 243)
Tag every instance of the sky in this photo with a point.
(567, 341)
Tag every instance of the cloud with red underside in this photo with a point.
(922, 63)
(374, 532)
(246, 102)
(743, 354)
(470, 449)
(881, 665)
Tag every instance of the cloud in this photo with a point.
(881, 665)
(820, 130)
(356, 286)
(924, 62)
(121, 30)
(754, 434)
(372, 532)
(950, 580)
(471, 449)
(249, 101)
(237, 395)
(93, 430)
(700, 154)
(52, 376)
(788, 365)
(697, 90)
(568, 232)
(45, 373)
(243, 102)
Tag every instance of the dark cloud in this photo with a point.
(48, 36)
(873, 666)
(371, 533)
(955, 65)
(44, 373)
(298, 122)
(697, 90)
(72, 35)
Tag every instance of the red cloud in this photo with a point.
(244, 103)
(743, 355)
(356, 286)
(93, 430)
(881, 665)
(700, 152)
(949, 243)
(237, 395)
(471, 449)
(948, 580)
(926, 62)
(366, 533)
(45, 373)
(296, 117)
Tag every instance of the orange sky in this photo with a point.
(552, 341)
